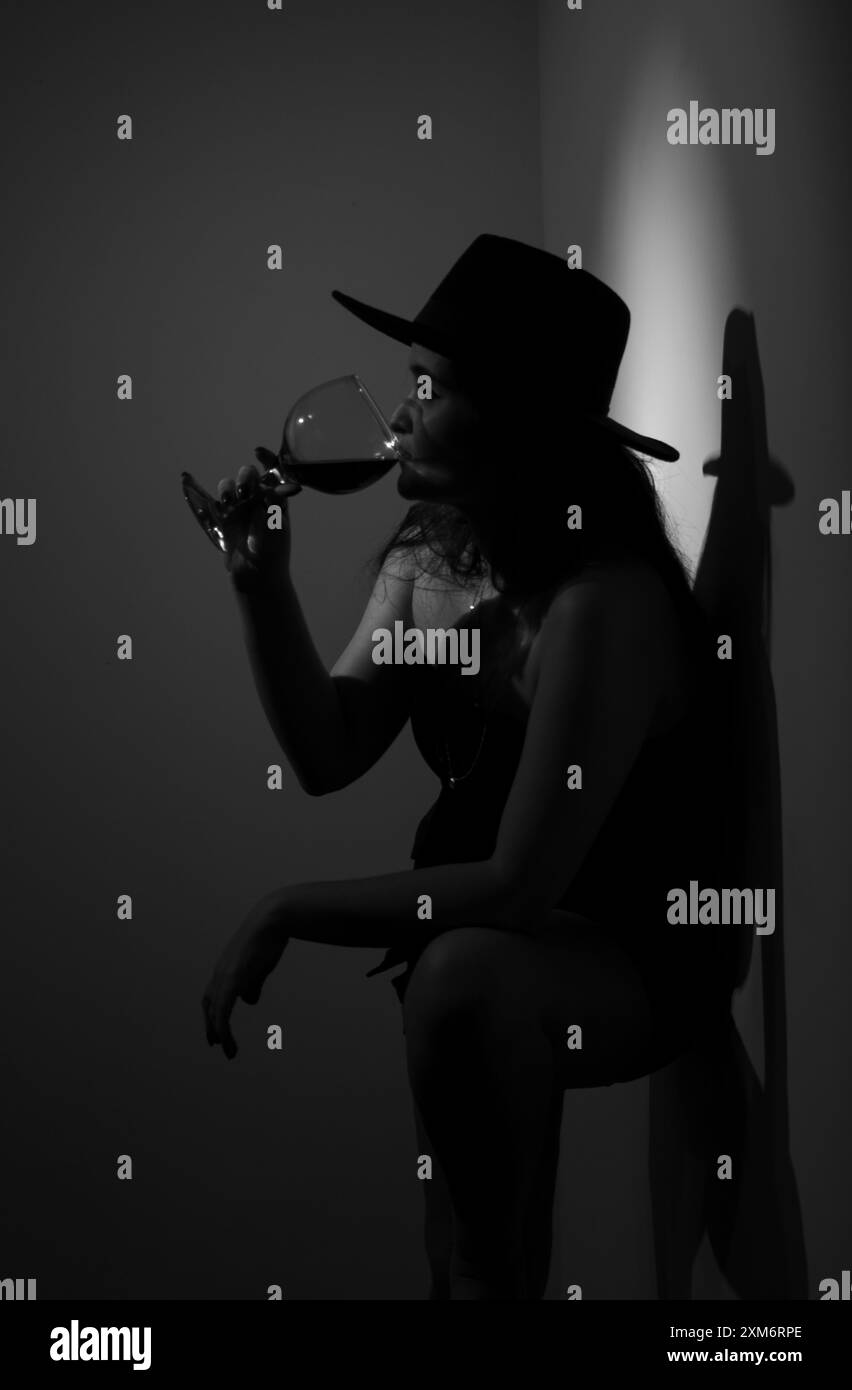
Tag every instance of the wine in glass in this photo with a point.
(336, 440)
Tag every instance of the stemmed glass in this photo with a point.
(335, 440)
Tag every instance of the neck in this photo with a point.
(489, 531)
(516, 542)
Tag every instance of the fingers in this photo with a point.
(218, 1005)
(249, 483)
(222, 1011)
(289, 487)
(227, 490)
(241, 490)
(206, 1005)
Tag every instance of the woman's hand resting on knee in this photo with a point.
(252, 953)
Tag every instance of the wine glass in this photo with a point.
(336, 440)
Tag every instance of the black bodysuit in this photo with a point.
(667, 827)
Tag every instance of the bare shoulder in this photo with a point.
(439, 598)
(622, 619)
(417, 565)
(401, 564)
(627, 595)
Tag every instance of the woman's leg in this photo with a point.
(487, 1014)
(438, 1216)
(538, 1218)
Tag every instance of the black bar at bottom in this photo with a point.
(221, 1338)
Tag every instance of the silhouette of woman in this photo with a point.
(582, 766)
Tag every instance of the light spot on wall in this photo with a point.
(667, 249)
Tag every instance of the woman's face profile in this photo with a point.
(441, 437)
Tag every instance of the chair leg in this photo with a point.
(706, 1103)
(678, 1175)
(755, 1222)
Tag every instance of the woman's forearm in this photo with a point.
(387, 910)
(298, 694)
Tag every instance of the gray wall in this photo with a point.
(148, 777)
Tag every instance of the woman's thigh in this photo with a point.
(570, 980)
(589, 983)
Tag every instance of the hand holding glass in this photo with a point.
(336, 440)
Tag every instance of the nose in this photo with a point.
(401, 421)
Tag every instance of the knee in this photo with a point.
(461, 978)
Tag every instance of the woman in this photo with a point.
(579, 765)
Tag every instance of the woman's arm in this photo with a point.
(385, 910)
(332, 726)
(380, 911)
(599, 685)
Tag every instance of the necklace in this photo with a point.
(454, 778)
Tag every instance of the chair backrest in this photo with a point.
(733, 585)
(755, 1227)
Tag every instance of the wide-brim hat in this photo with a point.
(501, 289)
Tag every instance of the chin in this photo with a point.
(416, 490)
(412, 484)
(406, 487)
(427, 486)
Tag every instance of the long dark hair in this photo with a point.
(623, 518)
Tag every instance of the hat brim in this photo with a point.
(402, 330)
(641, 443)
(395, 327)
(406, 331)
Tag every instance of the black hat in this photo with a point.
(569, 320)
